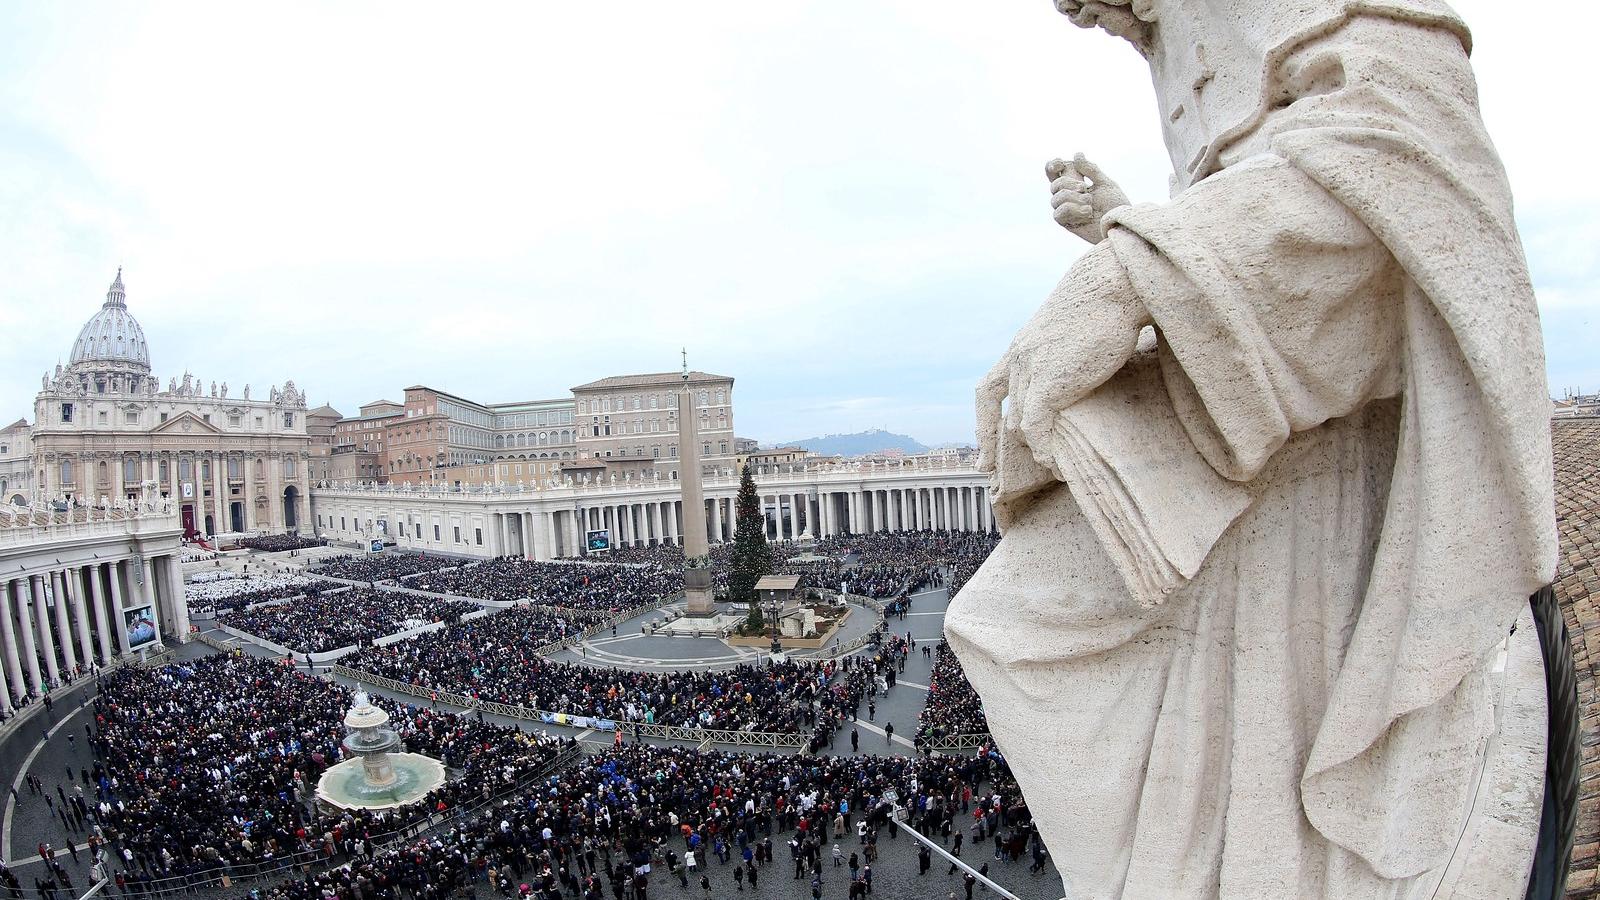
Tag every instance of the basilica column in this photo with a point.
(275, 490)
(8, 635)
(97, 605)
(250, 523)
(41, 621)
(58, 588)
(219, 492)
(115, 573)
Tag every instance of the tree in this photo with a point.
(752, 558)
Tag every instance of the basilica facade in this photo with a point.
(106, 429)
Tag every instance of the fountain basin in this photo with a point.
(346, 785)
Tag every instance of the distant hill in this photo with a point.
(859, 444)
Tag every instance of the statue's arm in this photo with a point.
(1079, 338)
(1272, 299)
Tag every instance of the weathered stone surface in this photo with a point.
(1273, 466)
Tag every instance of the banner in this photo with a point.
(141, 625)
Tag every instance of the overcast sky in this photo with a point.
(841, 204)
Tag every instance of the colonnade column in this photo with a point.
(58, 588)
(41, 622)
(550, 535)
(114, 575)
(180, 609)
(8, 633)
(716, 520)
(77, 594)
(670, 517)
(98, 607)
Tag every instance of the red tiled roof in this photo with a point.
(1576, 443)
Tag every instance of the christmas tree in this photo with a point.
(752, 558)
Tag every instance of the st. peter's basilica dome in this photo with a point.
(112, 336)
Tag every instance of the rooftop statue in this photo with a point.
(1272, 465)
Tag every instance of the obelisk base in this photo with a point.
(697, 590)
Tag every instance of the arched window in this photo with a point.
(705, 398)
(66, 471)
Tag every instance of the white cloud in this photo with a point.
(830, 201)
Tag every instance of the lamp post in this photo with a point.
(777, 645)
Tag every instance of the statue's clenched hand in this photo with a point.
(1080, 193)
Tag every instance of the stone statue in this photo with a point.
(1272, 465)
(213, 388)
(247, 392)
(224, 390)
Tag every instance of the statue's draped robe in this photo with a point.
(1236, 638)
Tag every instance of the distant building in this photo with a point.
(104, 429)
(629, 423)
(16, 463)
(1575, 406)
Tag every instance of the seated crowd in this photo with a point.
(206, 592)
(599, 587)
(318, 623)
(280, 543)
(213, 763)
(382, 566)
(626, 816)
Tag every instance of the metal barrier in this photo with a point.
(716, 736)
(953, 743)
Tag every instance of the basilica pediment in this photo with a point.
(186, 422)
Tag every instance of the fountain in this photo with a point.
(380, 774)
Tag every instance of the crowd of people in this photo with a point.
(212, 764)
(317, 623)
(597, 587)
(280, 543)
(491, 661)
(710, 820)
(223, 589)
(378, 567)
(953, 707)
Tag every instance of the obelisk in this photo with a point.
(696, 551)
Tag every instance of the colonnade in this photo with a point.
(828, 513)
(59, 622)
(801, 515)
